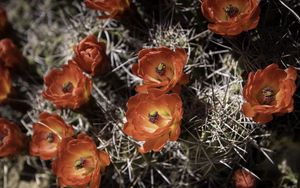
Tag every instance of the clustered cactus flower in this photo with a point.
(112, 8)
(48, 134)
(11, 138)
(161, 70)
(90, 55)
(67, 88)
(154, 120)
(269, 91)
(231, 18)
(165, 113)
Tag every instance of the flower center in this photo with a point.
(68, 87)
(50, 137)
(267, 96)
(89, 52)
(153, 116)
(231, 11)
(161, 69)
(79, 164)
(2, 136)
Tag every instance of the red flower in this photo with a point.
(5, 84)
(90, 55)
(269, 91)
(47, 134)
(3, 20)
(10, 56)
(154, 120)
(11, 138)
(67, 88)
(112, 8)
(161, 70)
(243, 179)
(79, 163)
(231, 17)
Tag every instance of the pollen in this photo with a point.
(161, 69)
(153, 117)
(231, 11)
(68, 87)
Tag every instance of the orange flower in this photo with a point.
(269, 91)
(243, 179)
(161, 70)
(112, 8)
(11, 138)
(10, 56)
(154, 120)
(90, 55)
(231, 17)
(5, 84)
(79, 163)
(3, 20)
(67, 88)
(47, 134)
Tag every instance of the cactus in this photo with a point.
(216, 137)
